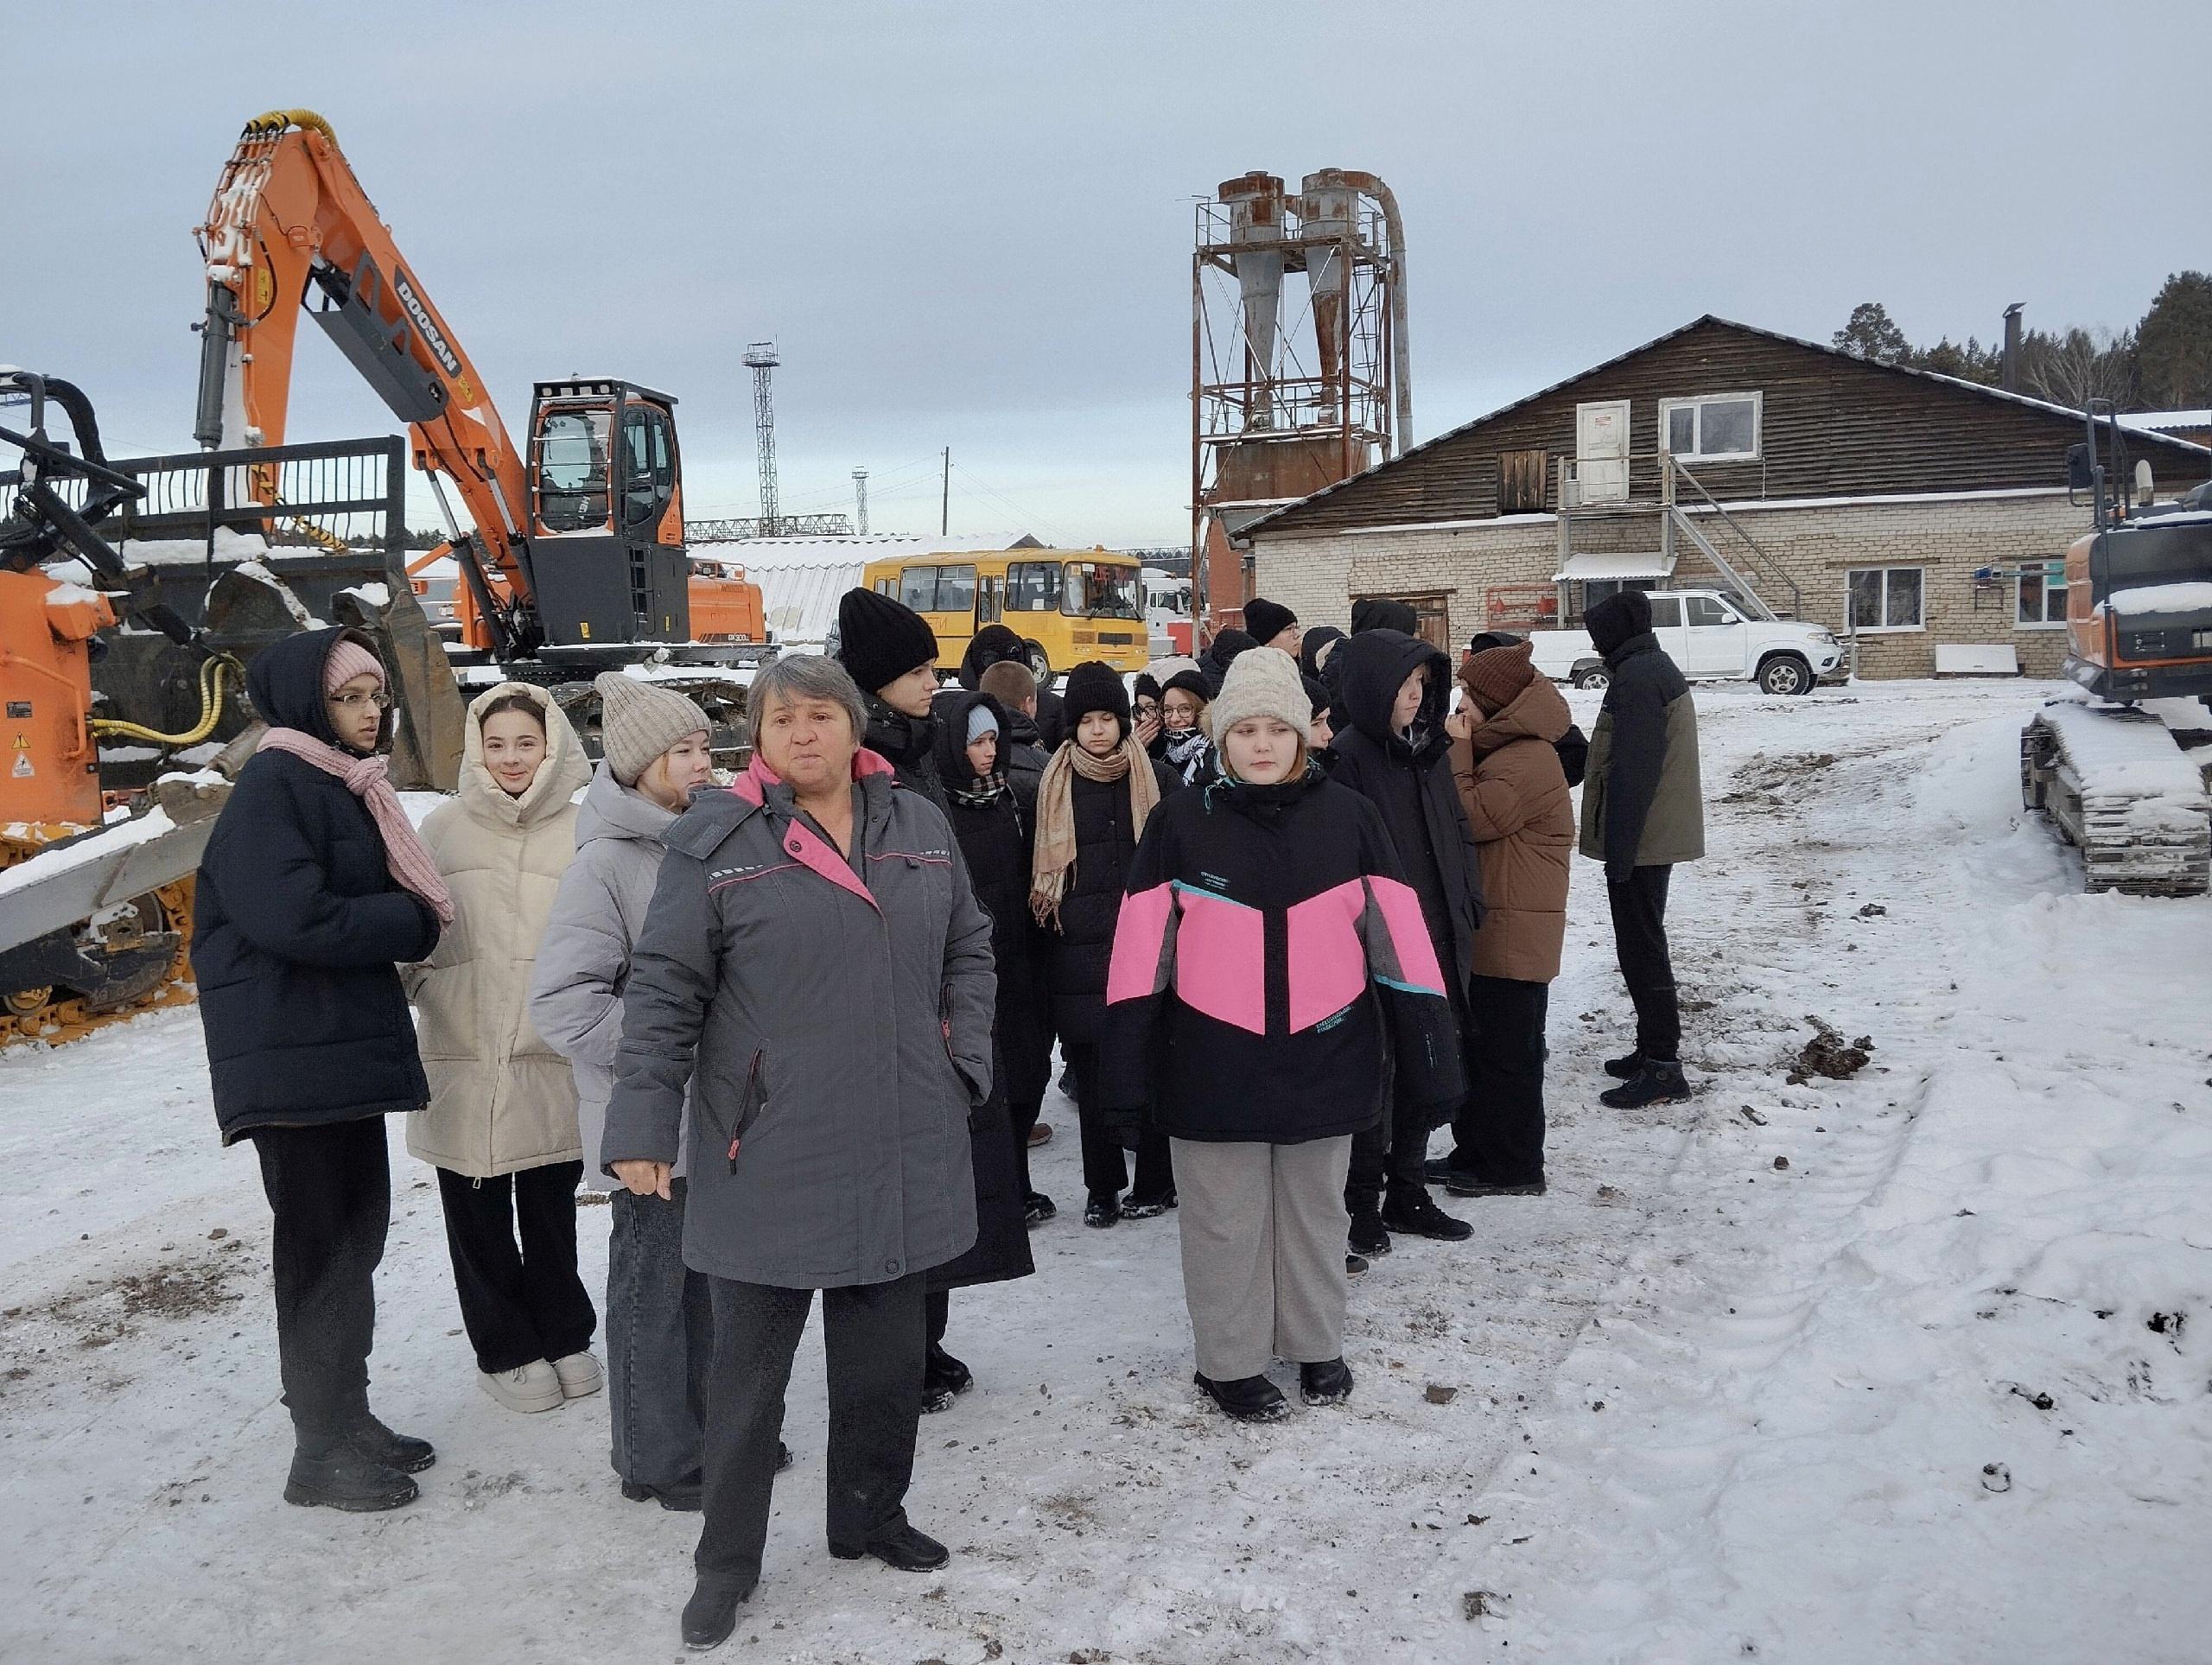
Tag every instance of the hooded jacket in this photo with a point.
(501, 1098)
(1268, 962)
(839, 1028)
(1642, 800)
(1076, 954)
(907, 744)
(1514, 790)
(1220, 654)
(583, 960)
(1381, 613)
(1410, 781)
(299, 928)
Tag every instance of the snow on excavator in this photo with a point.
(2112, 766)
(574, 561)
(123, 649)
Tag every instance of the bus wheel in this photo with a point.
(1040, 663)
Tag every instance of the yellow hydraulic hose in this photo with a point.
(213, 671)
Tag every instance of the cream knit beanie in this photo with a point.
(1260, 684)
(638, 722)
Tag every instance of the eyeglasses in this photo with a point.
(352, 703)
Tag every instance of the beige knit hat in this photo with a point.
(638, 722)
(1261, 682)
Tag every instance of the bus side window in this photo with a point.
(918, 588)
(955, 589)
(1033, 587)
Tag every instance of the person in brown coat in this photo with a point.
(1505, 763)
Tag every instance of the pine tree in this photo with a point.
(2173, 345)
(1872, 334)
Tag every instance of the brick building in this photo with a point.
(1903, 509)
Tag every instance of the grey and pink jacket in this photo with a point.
(832, 1017)
(1269, 967)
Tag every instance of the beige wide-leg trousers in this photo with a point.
(1264, 1252)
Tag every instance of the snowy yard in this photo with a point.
(1909, 1368)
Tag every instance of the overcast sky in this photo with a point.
(969, 223)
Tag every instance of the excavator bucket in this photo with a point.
(431, 716)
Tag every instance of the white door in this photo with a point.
(1601, 450)
(1716, 637)
(1667, 625)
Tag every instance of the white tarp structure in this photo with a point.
(801, 578)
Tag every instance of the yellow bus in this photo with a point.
(1066, 605)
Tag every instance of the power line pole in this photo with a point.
(945, 513)
(860, 499)
(761, 358)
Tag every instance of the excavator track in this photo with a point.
(55, 1013)
(2116, 786)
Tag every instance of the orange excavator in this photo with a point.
(575, 559)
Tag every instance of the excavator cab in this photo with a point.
(605, 541)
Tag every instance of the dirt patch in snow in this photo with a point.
(105, 1313)
(1829, 1054)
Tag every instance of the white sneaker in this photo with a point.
(531, 1386)
(578, 1373)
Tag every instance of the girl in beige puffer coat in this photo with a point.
(502, 1126)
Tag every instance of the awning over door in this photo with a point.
(1615, 568)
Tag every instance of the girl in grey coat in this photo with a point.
(815, 955)
(659, 1323)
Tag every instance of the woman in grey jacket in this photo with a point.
(659, 1324)
(814, 954)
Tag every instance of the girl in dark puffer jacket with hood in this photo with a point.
(1268, 957)
(313, 887)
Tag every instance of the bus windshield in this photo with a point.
(1097, 590)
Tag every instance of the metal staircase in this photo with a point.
(1744, 576)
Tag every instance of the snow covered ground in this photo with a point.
(1912, 1367)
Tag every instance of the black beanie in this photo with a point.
(1148, 688)
(1621, 615)
(1191, 682)
(880, 640)
(1317, 693)
(1094, 685)
(1309, 647)
(1267, 619)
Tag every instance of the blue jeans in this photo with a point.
(660, 1338)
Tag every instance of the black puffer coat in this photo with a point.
(1077, 954)
(297, 929)
(1410, 781)
(993, 835)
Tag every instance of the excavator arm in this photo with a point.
(291, 231)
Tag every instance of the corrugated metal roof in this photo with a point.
(759, 554)
(1584, 564)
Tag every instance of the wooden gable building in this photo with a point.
(1905, 510)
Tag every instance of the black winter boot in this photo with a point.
(1249, 1399)
(1660, 1081)
(1326, 1383)
(679, 1496)
(1037, 1208)
(1368, 1235)
(1103, 1211)
(370, 1439)
(1465, 1184)
(1355, 1264)
(1627, 1068)
(711, 1614)
(341, 1477)
(1135, 1207)
(903, 1547)
(1416, 1213)
(945, 1378)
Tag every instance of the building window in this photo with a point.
(1594, 590)
(2043, 597)
(1717, 428)
(1886, 598)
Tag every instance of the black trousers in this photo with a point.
(1023, 1034)
(1105, 1174)
(875, 1337)
(1500, 1129)
(330, 1189)
(1390, 1157)
(520, 1303)
(1640, 940)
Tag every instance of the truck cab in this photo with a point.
(1711, 639)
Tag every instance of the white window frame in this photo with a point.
(1759, 427)
(2018, 580)
(1885, 630)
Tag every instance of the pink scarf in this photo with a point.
(367, 779)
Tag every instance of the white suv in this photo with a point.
(1711, 640)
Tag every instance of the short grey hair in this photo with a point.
(796, 677)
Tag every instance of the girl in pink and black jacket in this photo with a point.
(1270, 966)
